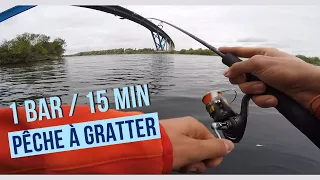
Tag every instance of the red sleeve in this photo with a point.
(144, 157)
(167, 152)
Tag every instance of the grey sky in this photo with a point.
(294, 29)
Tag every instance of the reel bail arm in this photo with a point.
(225, 119)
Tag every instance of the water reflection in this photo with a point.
(32, 81)
(165, 74)
(161, 70)
(115, 71)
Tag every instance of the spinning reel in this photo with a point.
(232, 124)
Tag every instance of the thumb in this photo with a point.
(211, 149)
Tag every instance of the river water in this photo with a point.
(177, 84)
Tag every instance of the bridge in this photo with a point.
(162, 40)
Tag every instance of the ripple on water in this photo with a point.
(176, 84)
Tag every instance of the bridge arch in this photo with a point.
(162, 40)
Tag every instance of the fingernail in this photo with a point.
(258, 87)
(229, 145)
(270, 102)
(226, 73)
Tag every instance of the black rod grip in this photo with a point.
(300, 117)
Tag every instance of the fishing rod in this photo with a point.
(233, 124)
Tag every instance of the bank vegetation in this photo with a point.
(30, 47)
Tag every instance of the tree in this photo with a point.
(31, 47)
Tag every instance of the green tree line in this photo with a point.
(311, 60)
(200, 51)
(190, 51)
(29, 47)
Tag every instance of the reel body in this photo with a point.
(231, 123)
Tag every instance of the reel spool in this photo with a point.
(225, 118)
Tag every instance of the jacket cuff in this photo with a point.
(167, 151)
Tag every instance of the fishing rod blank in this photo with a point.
(194, 37)
(300, 117)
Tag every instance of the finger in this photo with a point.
(210, 149)
(196, 129)
(253, 87)
(252, 65)
(238, 80)
(265, 101)
(245, 52)
(213, 162)
(240, 68)
(248, 52)
(206, 134)
(195, 167)
(199, 167)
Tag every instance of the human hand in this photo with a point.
(194, 147)
(285, 72)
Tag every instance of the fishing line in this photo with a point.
(234, 127)
(235, 96)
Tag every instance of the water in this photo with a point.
(177, 84)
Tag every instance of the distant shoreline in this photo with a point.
(145, 51)
(30, 47)
(73, 55)
(200, 51)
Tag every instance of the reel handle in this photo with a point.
(300, 117)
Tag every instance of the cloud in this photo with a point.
(252, 39)
(86, 29)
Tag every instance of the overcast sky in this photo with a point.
(294, 29)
